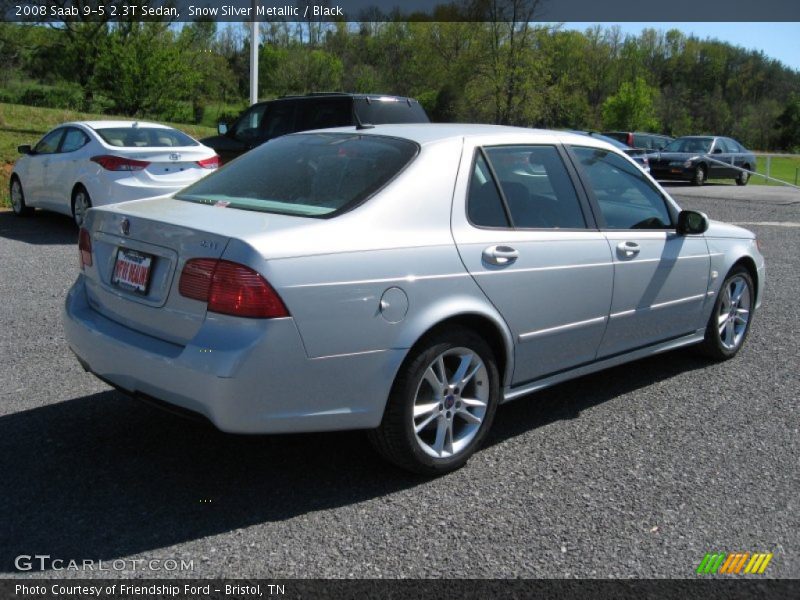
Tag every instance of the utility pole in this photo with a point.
(254, 57)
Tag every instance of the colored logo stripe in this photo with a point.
(734, 563)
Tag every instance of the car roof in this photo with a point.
(317, 95)
(429, 133)
(107, 124)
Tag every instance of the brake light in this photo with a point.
(209, 163)
(85, 248)
(118, 163)
(230, 288)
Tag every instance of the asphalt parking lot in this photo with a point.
(634, 472)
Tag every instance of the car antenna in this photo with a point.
(359, 125)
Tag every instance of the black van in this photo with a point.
(267, 120)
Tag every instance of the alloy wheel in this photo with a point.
(734, 312)
(451, 402)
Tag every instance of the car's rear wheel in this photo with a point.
(18, 198)
(442, 404)
(733, 312)
(81, 202)
(744, 176)
(699, 177)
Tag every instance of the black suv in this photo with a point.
(267, 120)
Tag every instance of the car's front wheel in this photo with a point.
(743, 176)
(733, 312)
(81, 203)
(442, 403)
(18, 198)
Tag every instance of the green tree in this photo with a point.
(632, 107)
(788, 124)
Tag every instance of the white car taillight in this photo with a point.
(118, 163)
(209, 163)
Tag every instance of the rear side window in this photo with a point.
(378, 112)
(627, 199)
(74, 139)
(144, 137)
(321, 114)
(309, 174)
(537, 190)
(484, 204)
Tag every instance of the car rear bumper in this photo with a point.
(244, 375)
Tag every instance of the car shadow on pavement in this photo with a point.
(43, 227)
(104, 476)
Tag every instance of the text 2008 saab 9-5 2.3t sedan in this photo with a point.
(405, 279)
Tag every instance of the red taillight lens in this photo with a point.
(117, 163)
(209, 163)
(230, 288)
(85, 248)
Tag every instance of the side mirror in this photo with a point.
(691, 222)
(222, 128)
(25, 149)
(717, 151)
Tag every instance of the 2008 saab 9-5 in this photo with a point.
(405, 279)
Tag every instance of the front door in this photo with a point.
(660, 278)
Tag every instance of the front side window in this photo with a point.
(536, 186)
(627, 199)
(49, 143)
(279, 120)
(74, 139)
(310, 174)
(249, 124)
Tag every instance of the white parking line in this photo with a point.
(769, 223)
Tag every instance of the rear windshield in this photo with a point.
(144, 137)
(309, 174)
(381, 112)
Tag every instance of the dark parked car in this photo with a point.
(697, 158)
(266, 120)
(638, 139)
(638, 155)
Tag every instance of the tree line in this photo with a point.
(515, 72)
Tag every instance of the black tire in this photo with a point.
(79, 196)
(17, 196)
(713, 346)
(743, 176)
(699, 176)
(396, 438)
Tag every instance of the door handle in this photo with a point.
(628, 249)
(500, 255)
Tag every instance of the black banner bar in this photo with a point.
(207, 589)
(399, 10)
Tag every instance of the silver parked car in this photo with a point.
(404, 279)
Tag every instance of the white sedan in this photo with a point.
(93, 163)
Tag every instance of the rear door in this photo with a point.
(526, 235)
(660, 278)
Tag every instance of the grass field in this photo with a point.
(26, 124)
(781, 167)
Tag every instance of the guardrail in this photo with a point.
(757, 174)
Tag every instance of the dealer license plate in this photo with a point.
(132, 270)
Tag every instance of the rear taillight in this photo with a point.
(118, 163)
(209, 163)
(85, 248)
(230, 288)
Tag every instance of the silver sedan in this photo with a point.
(405, 279)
